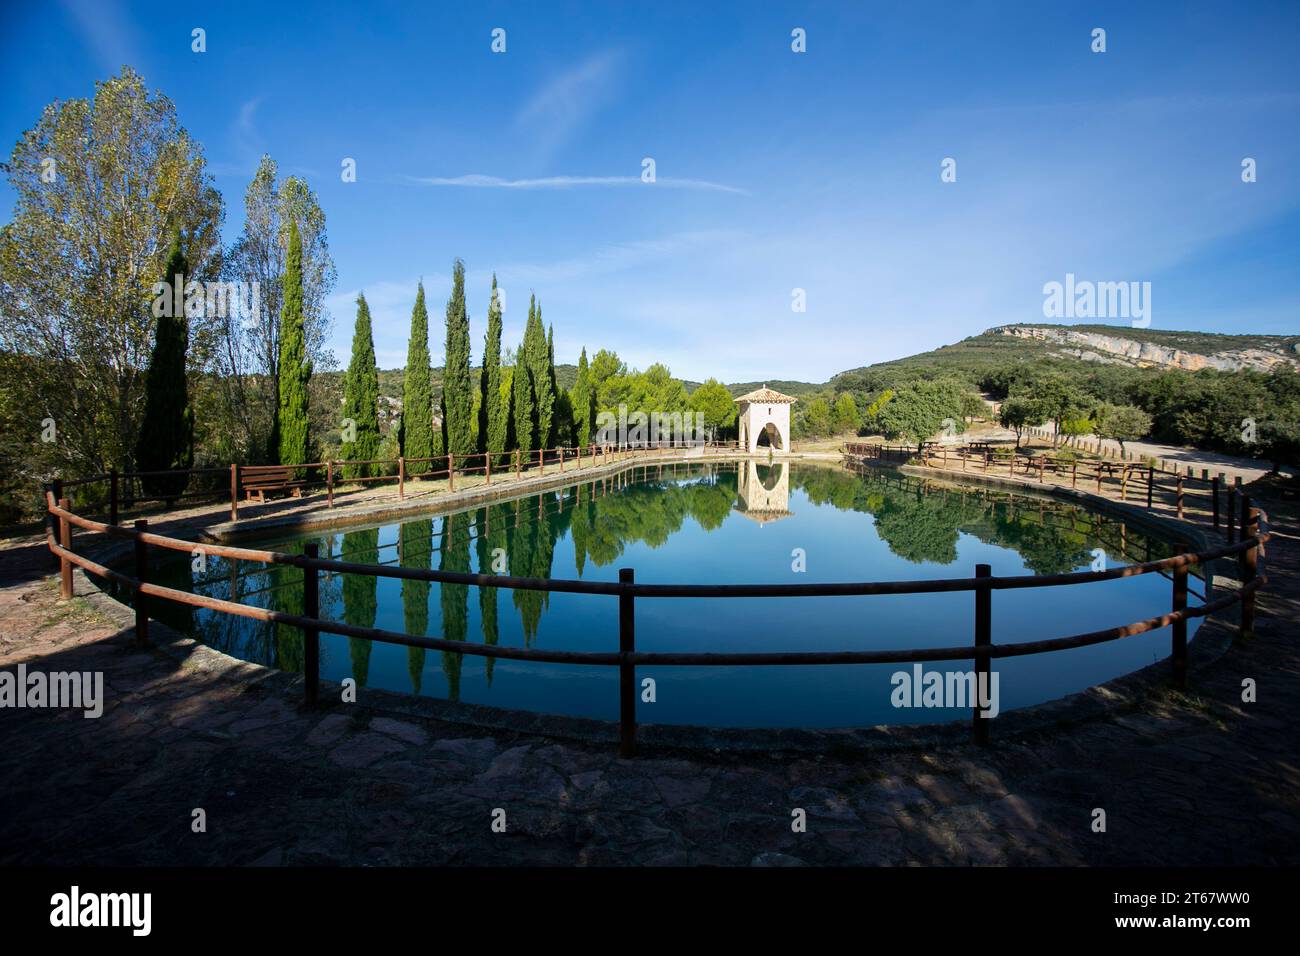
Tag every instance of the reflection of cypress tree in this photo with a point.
(454, 598)
(532, 549)
(359, 604)
(487, 597)
(416, 541)
(580, 523)
(286, 596)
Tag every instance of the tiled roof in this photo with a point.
(766, 396)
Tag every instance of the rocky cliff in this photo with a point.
(1092, 345)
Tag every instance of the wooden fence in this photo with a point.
(60, 541)
(125, 490)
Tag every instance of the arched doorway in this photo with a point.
(770, 437)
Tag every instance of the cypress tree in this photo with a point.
(361, 396)
(290, 431)
(584, 403)
(525, 413)
(539, 367)
(457, 398)
(491, 414)
(557, 415)
(508, 406)
(167, 433)
(416, 436)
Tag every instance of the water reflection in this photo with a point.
(588, 530)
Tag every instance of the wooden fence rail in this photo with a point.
(59, 540)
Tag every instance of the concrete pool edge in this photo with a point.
(1119, 695)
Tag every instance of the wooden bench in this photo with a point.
(257, 482)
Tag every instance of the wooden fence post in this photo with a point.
(541, 460)
(65, 566)
(1214, 496)
(487, 467)
(141, 575)
(234, 492)
(561, 461)
(983, 638)
(516, 464)
(1179, 650)
(451, 472)
(329, 480)
(1151, 484)
(1250, 568)
(1180, 497)
(626, 672)
(311, 635)
(54, 490)
(401, 477)
(1230, 500)
(112, 497)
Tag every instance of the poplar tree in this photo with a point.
(491, 411)
(416, 435)
(167, 433)
(290, 439)
(457, 398)
(361, 397)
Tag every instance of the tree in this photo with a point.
(871, 417)
(973, 406)
(291, 423)
(554, 415)
(245, 351)
(1021, 413)
(817, 420)
(167, 432)
(523, 409)
(1057, 397)
(416, 436)
(1122, 423)
(714, 401)
(583, 399)
(921, 409)
(361, 398)
(845, 417)
(99, 188)
(535, 357)
(492, 413)
(457, 394)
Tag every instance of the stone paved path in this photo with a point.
(1195, 778)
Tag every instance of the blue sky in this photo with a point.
(775, 170)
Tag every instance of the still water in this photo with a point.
(707, 523)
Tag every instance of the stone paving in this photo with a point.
(1192, 778)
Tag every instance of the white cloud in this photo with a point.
(561, 107)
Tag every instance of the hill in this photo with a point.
(1100, 344)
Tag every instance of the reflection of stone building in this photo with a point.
(764, 421)
(763, 491)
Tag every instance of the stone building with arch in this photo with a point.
(764, 421)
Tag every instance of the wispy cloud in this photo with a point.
(570, 182)
(561, 107)
(105, 31)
